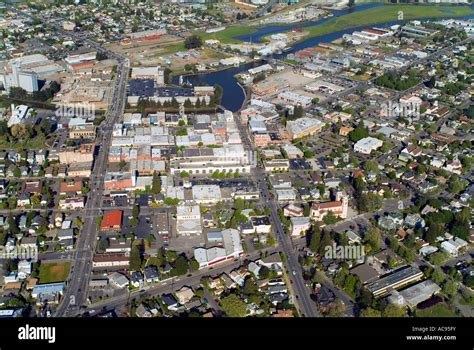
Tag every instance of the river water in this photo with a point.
(233, 94)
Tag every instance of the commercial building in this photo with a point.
(48, 289)
(415, 294)
(16, 77)
(277, 165)
(397, 279)
(154, 73)
(83, 154)
(227, 159)
(229, 249)
(81, 57)
(70, 187)
(188, 220)
(417, 31)
(304, 127)
(71, 203)
(367, 145)
(112, 220)
(294, 98)
(111, 260)
(206, 194)
(83, 132)
(299, 225)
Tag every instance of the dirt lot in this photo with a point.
(146, 53)
(163, 52)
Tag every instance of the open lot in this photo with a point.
(438, 310)
(53, 272)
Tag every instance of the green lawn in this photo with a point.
(53, 272)
(227, 35)
(438, 310)
(377, 15)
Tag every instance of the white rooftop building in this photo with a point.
(453, 246)
(367, 145)
(19, 113)
(188, 220)
(206, 194)
(231, 248)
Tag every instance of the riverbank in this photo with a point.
(371, 16)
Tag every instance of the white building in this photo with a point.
(294, 98)
(231, 248)
(453, 246)
(149, 73)
(188, 220)
(14, 76)
(299, 225)
(367, 145)
(19, 113)
(206, 194)
(304, 127)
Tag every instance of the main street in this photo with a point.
(299, 289)
(76, 292)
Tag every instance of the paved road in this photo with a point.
(170, 285)
(300, 291)
(76, 292)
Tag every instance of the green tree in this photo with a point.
(193, 264)
(17, 172)
(359, 132)
(315, 241)
(438, 276)
(433, 232)
(330, 218)
(326, 241)
(336, 309)
(136, 211)
(136, 257)
(233, 306)
(394, 311)
(180, 266)
(450, 289)
(373, 238)
(438, 258)
(369, 312)
(368, 202)
(193, 42)
(156, 183)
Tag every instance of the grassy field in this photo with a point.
(387, 13)
(227, 35)
(438, 310)
(53, 272)
(32, 144)
(377, 15)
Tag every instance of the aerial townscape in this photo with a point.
(236, 158)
